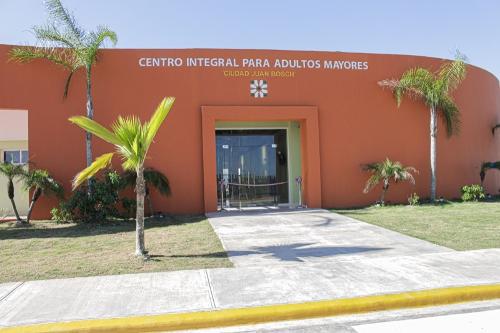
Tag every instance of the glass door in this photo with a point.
(252, 168)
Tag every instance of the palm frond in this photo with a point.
(450, 114)
(130, 137)
(50, 34)
(95, 128)
(11, 171)
(96, 39)
(62, 16)
(388, 170)
(371, 183)
(68, 81)
(452, 73)
(414, 83)
(157, 180)
(100, 163)
(373, 167)
(29, 53)
(157, 119)
(130, 132)
(40, 179)
(152, 177)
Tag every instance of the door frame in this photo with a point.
(307, 116)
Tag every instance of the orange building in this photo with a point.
(247, 124)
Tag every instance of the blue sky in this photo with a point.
(424, 27)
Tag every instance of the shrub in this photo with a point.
(129, 205)
(414, 199)
(472, 192)
(96, 207)
(60, 215)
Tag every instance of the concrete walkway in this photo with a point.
(181, 291)
(311, 235)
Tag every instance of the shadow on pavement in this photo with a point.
(291, 252)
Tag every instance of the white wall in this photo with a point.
(13, 125)
(13, 135)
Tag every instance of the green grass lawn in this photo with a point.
(460, 226)
(47, 250)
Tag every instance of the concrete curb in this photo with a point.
(262, 314)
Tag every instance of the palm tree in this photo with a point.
(488, 166)
(153, 179)
(434, 89)
(12, 172)
(63, 42)
(386, 172)
(132, 140)
(494, 128)
(41, 183)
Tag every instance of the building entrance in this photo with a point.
(252, 168)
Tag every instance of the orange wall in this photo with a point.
(358, 121)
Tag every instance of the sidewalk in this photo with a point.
(185, 291)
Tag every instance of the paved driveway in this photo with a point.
(294, 236)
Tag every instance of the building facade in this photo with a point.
(259, 127)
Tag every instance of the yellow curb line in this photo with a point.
(262, 314)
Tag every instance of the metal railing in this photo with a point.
(225, 185)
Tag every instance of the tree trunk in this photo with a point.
(10, 193)
(433, 132)
(90, 115)
(19, 221)
(140, 190)
(385, 187)
(36, 194)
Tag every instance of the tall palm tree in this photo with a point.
(64, 42)
(132, 141)
(434, 89)
(41, 183)
(153, 179)
(12, 172)
(387, 172)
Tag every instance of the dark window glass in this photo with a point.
(12, 156)
(24, 156)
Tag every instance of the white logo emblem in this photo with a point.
(258, 88)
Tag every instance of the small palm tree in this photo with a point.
(434, 89)
(65, 43)
(387, 172)
(153, 179)
(132, 141)
(40, 182)
(12, 172)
